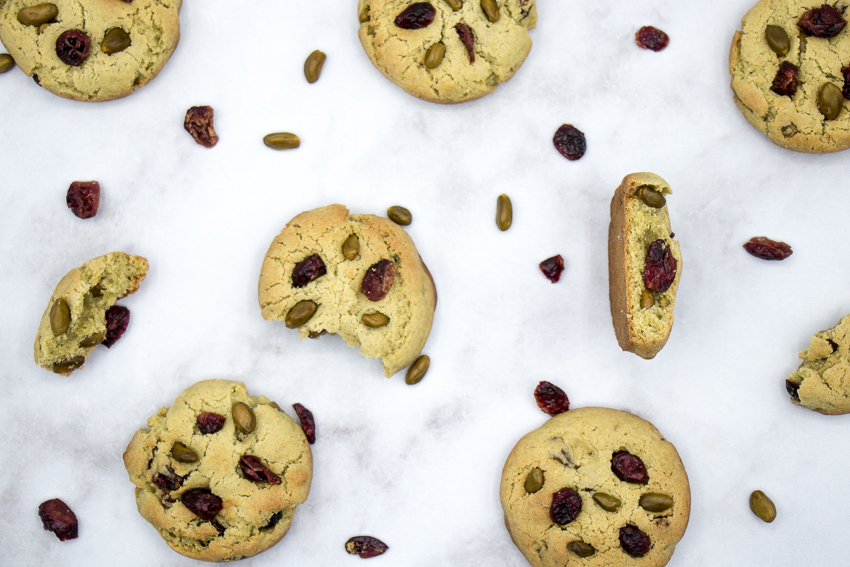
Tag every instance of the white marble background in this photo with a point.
(419, 467)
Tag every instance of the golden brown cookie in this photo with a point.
(822, 382)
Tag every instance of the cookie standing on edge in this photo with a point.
(220, 473)
(443, 54)
(92, 50)
(822, 382)
(564, 503)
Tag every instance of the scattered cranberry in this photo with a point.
(117, 319)
(72, 47)
(629, 468)
(767, 249)
(416, 16)
(652, 38)
(255, 470)
(199, 123)
(202, 502)
(58, 518)
(660, 268)
(792, 389)
(825, 21)
(468, 40)
(209, 422)
(570, 142)
(785, 81)
(365, 546)
(551, 399)
(552, 268)
(308, 270)
(83, 198)
(565, 507)
(634, 541)
(308, 424)
(378, 280)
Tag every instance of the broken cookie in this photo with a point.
(822, 382)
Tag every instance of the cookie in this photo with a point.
(780, 66)
(90, 50)
(220, 473)
(595, 487)
(75, 320)
(447, 51)
(644, 264)
(822, 382)
(357, 276)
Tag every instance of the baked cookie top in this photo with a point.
(822, 382)
(444, 54)
(90, 50)
(214, 488)
(565, 504)
(780, 67)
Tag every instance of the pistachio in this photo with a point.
(374, 320)
(243, 417)
(399, 215)
(60, 316)
(300, 313)
(417, 370)
(316, 334)
(363, 16)
(434, 55)
(653, 502)
(663, 301)
(38, 14)
(607, 502)
(69, 365)
(182, 453)
(762, 506)
(282, 141)
(646, 299)
(6, 62)
(455, 4)
(313, 66)
(830, 101)
(115, 40)
(581, 549)
(93, 340)
(491, 9)
(96, 291)
(534, 481)
(504, 212)
(651, 197)
(777, 39)
(351, 247)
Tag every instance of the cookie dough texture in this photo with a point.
(791, 122)
(409, 304)
(634, 226)
(153, 26)
(500, 47)
(254, 515)
(823, 379)
(574, 450)
(89, 291)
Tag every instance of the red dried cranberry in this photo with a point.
(117, 319)
(365, 546)
(58, 518)
(378, 280)
(168, 481)
(199, 123)
(308, 424)
(209, 422)
(767, 249)
(308, 270)
(633, 541)
(785, 81)
(629, 468)
(552, 268)
(660, 268)
(83, 198)
(570, 142)
(551, 399)
(202, 502)
(565, 507)
(652, 38)
(792, 389)
(72, 47)
(468, 40)
(825, 21)
(416, 16)
(255, 470)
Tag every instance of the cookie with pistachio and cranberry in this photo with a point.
(220, 473)
(447, 51)
(822, 382)
(595, 487)
(790, 66)
(356, 276)
(90, 50)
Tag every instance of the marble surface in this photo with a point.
(419, 467)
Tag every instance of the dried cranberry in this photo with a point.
(629, 468)
(792, 389)
(308, 270)
(825, 21)
(308, 424)
(117, 319)
(785, 81)
(199, 123)
(845, 90)
(551, 399)
(660, 268)
(378, 280)
(365, 546)
(633, 541)
(255, 470)
(767, 249)
(652, 38)
(565, 507)
(83, 198)
(168, 481)
(570, 142)
(202, 502)
(58, 518)
(552, 268)
(209, 422)
(468, 40)
(72, 47)
(416, 16)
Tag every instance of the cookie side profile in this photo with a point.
(595, 487)
(306, 265)
(446, 55)
(644, 264)
(90, 50)
(220, 473)
(75, 320)
(822, 382)
(779, 73)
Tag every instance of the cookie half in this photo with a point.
(212, 508)
(595, 487)
(306, 264)
(822, 382)
(90, 50)
(442, 54)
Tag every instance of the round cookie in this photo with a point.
(152, 28)
(575, 451)
(479, 53)
(229, 516)
(316, 238)
(792, 120)
(822, 382)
